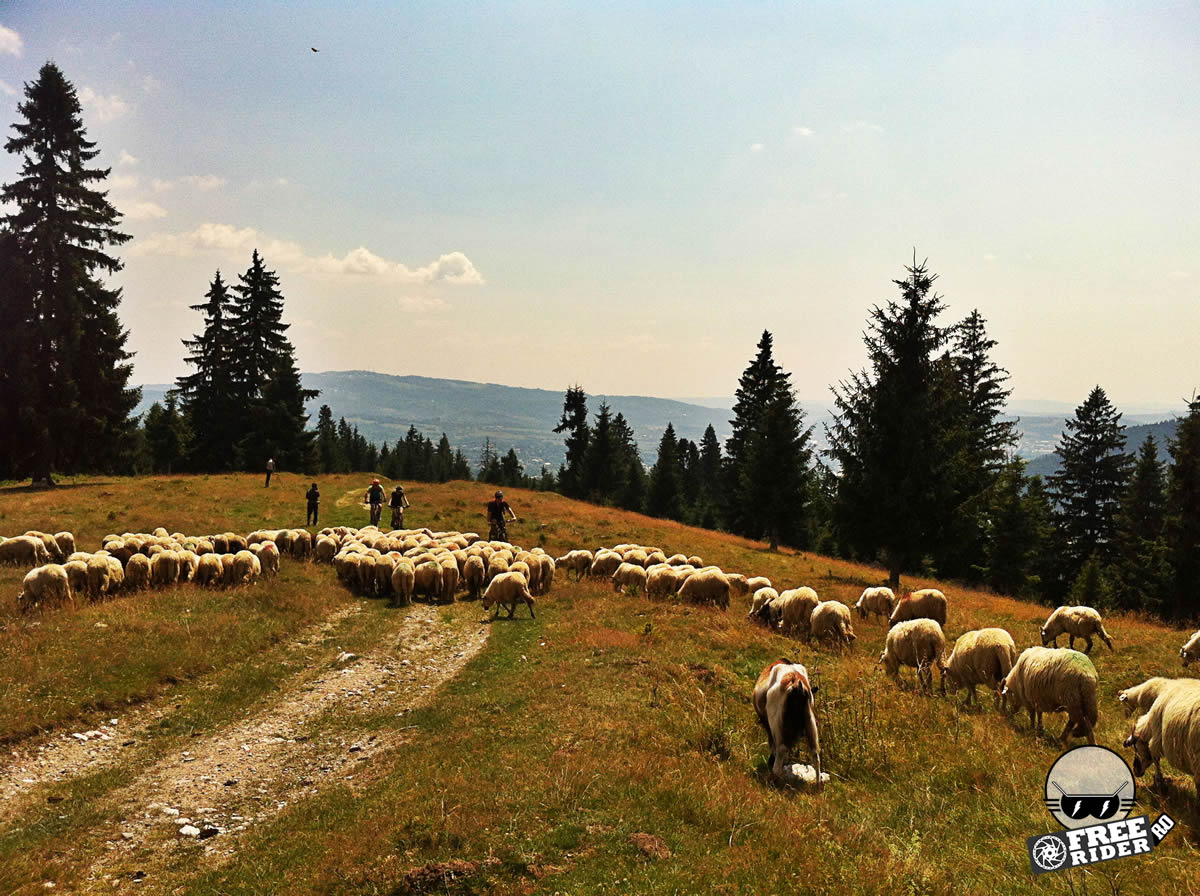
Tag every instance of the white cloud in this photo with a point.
(123, 181)
(127, 159)
(106, 108)
(10, 42)
(453, 267)
(756, 147)
(161, 186)
(1179, 275)
(803, 132)
(151, 85)
(143, 211)
(7, 88)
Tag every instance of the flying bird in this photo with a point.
(314, 49)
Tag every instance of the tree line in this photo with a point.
(921, 475)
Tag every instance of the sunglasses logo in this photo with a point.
(1099, 806)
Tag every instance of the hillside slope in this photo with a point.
(606, 746)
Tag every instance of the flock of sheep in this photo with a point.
(403, 564)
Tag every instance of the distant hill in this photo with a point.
(1045, 464)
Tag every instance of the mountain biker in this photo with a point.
(398, 503)
(374, 497)
(498, 524)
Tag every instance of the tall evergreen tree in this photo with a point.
(1018, 525)
(600, 460)
(662, 493)
(760, 382)
(572, 479)
(208, 392)
(63, 365)
(1140, 572)
(630, 489)
(1183, 515)
(329, 451)
(1093, 475)
(167, 434)
(886, 436)
(711, 494)
(775, 475)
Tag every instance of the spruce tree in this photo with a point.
(1140, 572)
(711, 496)
(208, 392)
(1087, 488)
(662, 493)
(1183, 515)
(167, 434)
(572, 478)
(887, 434)
(775, 474)
(329, 451)
(630, 490)
(759, 383)
(600, 461)
(63, 360)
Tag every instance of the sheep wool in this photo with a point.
(791, 613)
(1075, 622)
(981, 657)
(918, 643)
(1190, 652)
(876, 600)
(928, 603)
(1170, 730)
(506, 590)
(1045, 679)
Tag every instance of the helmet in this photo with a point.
(499, 494)
(374, 482)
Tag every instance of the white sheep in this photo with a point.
(325, 549)
(137, 572)
(53, 551)
(473, 573)
(1076, 622)
(506, 590)
(427, 579)
(760, 605)
(739, 585)
(791, 613)
(1190, 652)
(928, 603)
(77, 575)
(754, 583)
(985, 657)
(662, 579)
(404, 578)
(605, 564)
(876, 600)
(164, 569)
(629, 575)
(1169, 730)
(46, 585)
(24, 550)
(577, 561)
(209, 572)
(830, 621)
(449, 579)
(246, 568)
(918, 643)
(1139, 698)
(65, 542)
(99, 576)
(1048, 680)
(706, 586)
(268, 555)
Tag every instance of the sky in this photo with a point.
(625, 196)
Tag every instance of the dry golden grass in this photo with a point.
(611, 715)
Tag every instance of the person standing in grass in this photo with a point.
(497, 508)
(374, 498)
(313, 496)
(398, 503)
(270, 470)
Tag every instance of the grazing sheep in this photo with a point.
(404, 577)
(1169, 730)
(52, 549)
(578, 562)
(876, 600)
(24, 550)
(928, 603)
(1076, 622)
(783, 702)
(605, 564)
(984, 657)
(46, 585)
(706, 586)
(695, 561)
(662, 579)
(116, 574)
(449, 579)
(227, 570)
(325, 549)
(918, 643)
(506, 590)
(164, 569)
(496, 565)
(209, 572)
(189, 561)
(246, 568)
(1048, 680)
(99, 576)
(760, 605)
(1190, 652)
(547, 580)
(1139, 698)
(77, 576)
(629, 575)
(830, 621)
(792, 612)
(137, 573)
(427, 579)
(268, 555)
(739, 585)
(65, 542)
(473, 573)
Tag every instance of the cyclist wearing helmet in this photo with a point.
(498, 523)
(374, 497)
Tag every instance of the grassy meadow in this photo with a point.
(607, 746)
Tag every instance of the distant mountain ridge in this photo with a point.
(383, 406)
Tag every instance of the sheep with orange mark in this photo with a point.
(783, 702)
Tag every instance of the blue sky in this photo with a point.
(625, 196)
